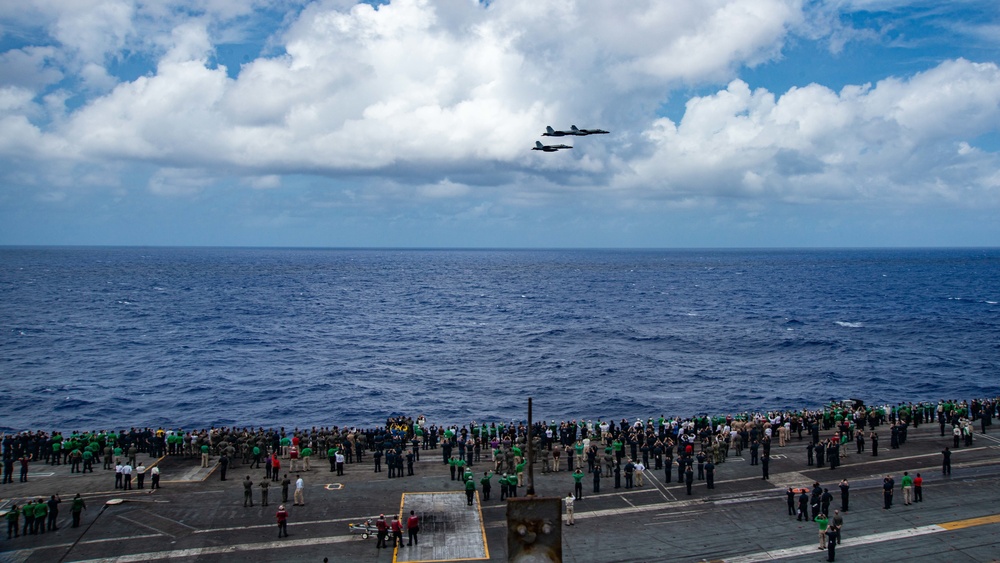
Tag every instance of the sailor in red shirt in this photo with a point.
(383, 529)
(412, 527)
(918, 488)
(282, 516)
(397, 531)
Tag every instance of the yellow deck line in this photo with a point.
(970, 522)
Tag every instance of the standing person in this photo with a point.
(946, 462)
(874, 440)
(412, 528)
(710, 475)
(77, 509)
(831, 534)
(282, 517)
(569, 509)
(299, 491)
(140, 475)
(382, 530)
(41, 513)
(487, 484)
(119, 476)
(28, 510)
(155, 483)
(918, 488)
(845, 490)
(285, 483)
(470, 491)
(906, 484)
(689, 478)
(12, 521)
(640, 472)
(823, 523)
(790, 497)
(127, 476)
(803, 512)
(397, 531)
(53, 503)
(578, 483)
(597, 478)
(223, 466)
(264, 486)
(340, 462)
(765, 461)
(886, 493)
(247, 492)
(838, 521)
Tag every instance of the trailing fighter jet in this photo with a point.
(582, 132)
(548, 148)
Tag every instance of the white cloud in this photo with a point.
(449, 95)
(898, 139)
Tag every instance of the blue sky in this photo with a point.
(734, 123)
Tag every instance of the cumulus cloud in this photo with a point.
(449, 96)
(907, 139)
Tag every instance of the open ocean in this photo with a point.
(191, 337)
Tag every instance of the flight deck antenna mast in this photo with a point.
(534, 524)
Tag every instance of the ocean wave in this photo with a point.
(846, 324)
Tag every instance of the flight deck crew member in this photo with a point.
(918, 488)
(77, 509)
(946, 462)
(382, 530)
(470, 491)
(299, 492)
(487, 484)
(412, 528)
(710, 474)
(282, 517)
(578, 483)
(597, 478)
(688, 478)
(845, 489)
(397, 531)
(264, 485)
(803, 506)
(831, 543)
(247, 492)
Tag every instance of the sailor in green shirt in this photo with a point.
(512, 486)
(578, 483)
(12, 517)
(467, 477)
(331, 454)
(487, 484)
(822, 521)
(204, 455)
(470, 489)
(519, 471)
(907, 485)
(305, 454)
(77, 509)
(41, 512)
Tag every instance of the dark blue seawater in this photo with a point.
(111, 337)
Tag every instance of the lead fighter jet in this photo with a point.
(583, 132)
(548, 148)
(573, 132)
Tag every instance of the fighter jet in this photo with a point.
(548, 148)
(550, 132)
(582, 132)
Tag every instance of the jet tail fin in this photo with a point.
(538, 144)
